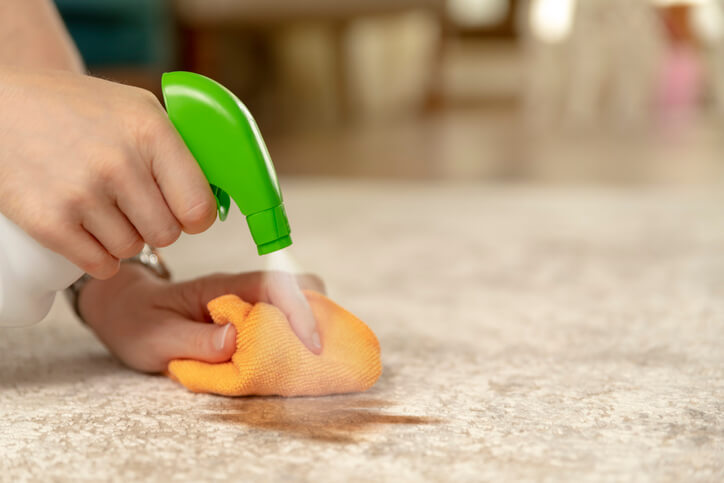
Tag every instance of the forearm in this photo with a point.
(32, 35)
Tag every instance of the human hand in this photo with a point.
(93, 169)
(146, 322)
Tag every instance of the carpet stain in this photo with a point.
(334, 419)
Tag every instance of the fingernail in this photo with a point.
(316, 342)
(220, 337)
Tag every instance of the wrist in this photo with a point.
(95, 294)
(146, 264)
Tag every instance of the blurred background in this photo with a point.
(533, 91)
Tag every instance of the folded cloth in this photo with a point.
(271, 360)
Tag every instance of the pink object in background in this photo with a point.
(679, 84)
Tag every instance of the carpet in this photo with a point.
(527, 334)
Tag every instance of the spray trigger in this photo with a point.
(222, 202)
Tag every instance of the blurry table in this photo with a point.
(232, 12)
(203, 21)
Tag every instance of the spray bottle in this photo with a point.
(223, 138)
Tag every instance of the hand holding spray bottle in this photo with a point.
(224, 139)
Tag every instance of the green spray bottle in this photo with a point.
(225, 140)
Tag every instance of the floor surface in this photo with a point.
(562, 334)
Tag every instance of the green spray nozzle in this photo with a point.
(225, 140)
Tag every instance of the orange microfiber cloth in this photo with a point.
(271, 360)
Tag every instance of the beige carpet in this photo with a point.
(526, 334)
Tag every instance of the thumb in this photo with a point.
(187, 339)
(150, 347)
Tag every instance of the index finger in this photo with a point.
(252, 287)
(182, 183)
(285, 293)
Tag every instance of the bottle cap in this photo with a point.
(270, 229)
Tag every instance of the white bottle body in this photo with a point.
(30, 276)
